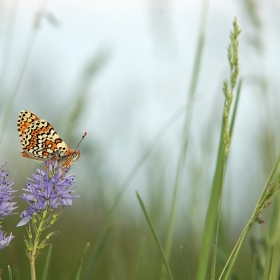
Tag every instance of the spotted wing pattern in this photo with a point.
(40, 141)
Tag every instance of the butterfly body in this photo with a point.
(40, 141)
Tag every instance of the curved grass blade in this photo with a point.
(227, 270)
(185, 262)
(105, 231)
(46, 268)
(155, 236)
(77, 272)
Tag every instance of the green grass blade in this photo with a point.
(214, 207)
(231, 126)
(47, 264)
(210, 220)
(85, 250)
(185, 263)
(235, 106)
(140, 260)
(233, 256)
(155, 236)
(10, 273)
(77, 272)
(96, 253)
(274, 241)
(186, 130)
(272, 253)
(105, 231)
(215, 250)
(268, 257)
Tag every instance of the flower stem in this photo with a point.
(35, 252)
(32, 268)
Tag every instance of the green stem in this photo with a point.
(259, 207)
(32, 268)
(186, 133)
(34, 252)
(147, 216)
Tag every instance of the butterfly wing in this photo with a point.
(39, 140)
(25, 118)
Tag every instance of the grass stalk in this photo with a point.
(261, 204)
(210, 221)
(231, 126)
(271, 269)
(147, 216)
(212, 216)
(235, 106)
(215, 250)
(274, 264)
(186, 130)
(99, 245)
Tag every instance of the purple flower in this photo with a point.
(47, 190)
(4, 241)
(6, 207)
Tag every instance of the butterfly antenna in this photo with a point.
(85, 134)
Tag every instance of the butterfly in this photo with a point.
(40, 141)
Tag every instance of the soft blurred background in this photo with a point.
(121, 71)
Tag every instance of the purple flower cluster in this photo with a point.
(4, 241)
(47, 190)
(6, 207)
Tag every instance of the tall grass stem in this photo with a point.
(186, 130)
(213, 214)
(149, 221)
(227, 270)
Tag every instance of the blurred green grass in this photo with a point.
(114, 250)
